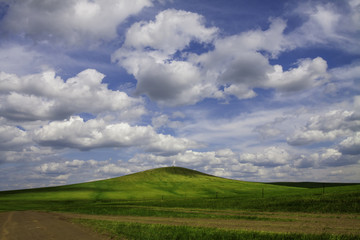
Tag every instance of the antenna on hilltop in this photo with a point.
(174, 163)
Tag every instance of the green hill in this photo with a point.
(181, 187)
(168, 182)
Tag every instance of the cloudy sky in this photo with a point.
(252, 90)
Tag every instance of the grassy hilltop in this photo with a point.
(168, 182)
(181, 187)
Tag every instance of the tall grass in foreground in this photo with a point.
(134, 231)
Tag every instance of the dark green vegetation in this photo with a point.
(183, 193)
(118, 230)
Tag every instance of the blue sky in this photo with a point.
(250, 90)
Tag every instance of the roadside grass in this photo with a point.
(134, 231)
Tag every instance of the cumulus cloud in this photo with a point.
(270, 157)
(175, 83)
(230, 48)
(332, 157)
(171, 74)
(71, 21)
(351, 145)
(61, 171)
(171, 31)
(46, 96)
(164, 121)
(193, 159)
(97, 133)
(326, 127)
(51, 167)
(113, 169)
(150, 57)
(310, 73)
(66, 167)
(236, 62)
(12, 138)
(312, 136)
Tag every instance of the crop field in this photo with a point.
(178, 203)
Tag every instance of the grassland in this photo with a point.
(183, 193)
(139, 231)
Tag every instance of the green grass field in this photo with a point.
(137, 231)
(184, 193)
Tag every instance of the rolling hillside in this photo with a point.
(168, 182)
(141, 193)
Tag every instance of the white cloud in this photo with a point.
(313, 136)
(27, 154)
(351, 145)
(234, 65)
(234, 132)
(328, 24)
(164, 121)
(329, 126)
(112, 169)
(97, 133)
(236, 62)
(175, 83)
(51, 167)
(71, 21)
(270, 157)
(269, 130)
(334, 158)
(20, 59)
(46, 96)
(240, 91)
(168, 145)
(307, 161)
(347, 77)
(309, 74)
(331, 154)
(269, 40)
(62, 172)
(149, 57)
(160, 121)
(12, 138)
(189, 158)
(172, 30)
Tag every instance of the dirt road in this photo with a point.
(32, 225)
(275, 222)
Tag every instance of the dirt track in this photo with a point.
(55, 226)
(29, 225)
(276, 222)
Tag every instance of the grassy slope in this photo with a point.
(170, 182)
(180, 187)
